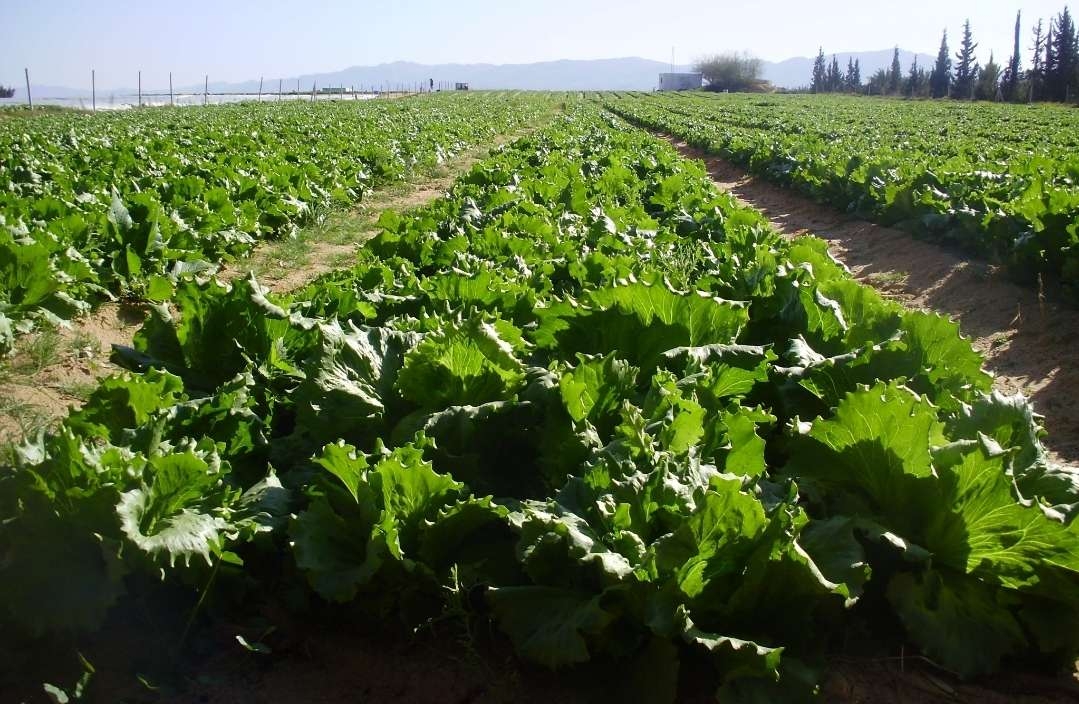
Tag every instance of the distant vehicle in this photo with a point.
(6, 92)
(462, 86)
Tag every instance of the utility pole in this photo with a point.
(93, 91)
(29, 99)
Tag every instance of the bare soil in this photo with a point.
(1025, 336)
(55, 370)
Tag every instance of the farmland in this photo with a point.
(585, 402)
(126, 204)
(999, 181)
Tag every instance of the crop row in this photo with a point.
(125, 203)
(589, 399)
(1001, 181)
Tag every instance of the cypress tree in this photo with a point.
(1037, 70)
(819, 73)
(1049, 65)
(1061, 80)
(988, 85)
(835, 78)
(966, 68)
(895, 76)
(1015, 66)
(858, 74)
(914, 78)
(848, 82)
(941, 78)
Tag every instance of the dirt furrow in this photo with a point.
(1028, 341)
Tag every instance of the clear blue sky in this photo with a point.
(233, 40)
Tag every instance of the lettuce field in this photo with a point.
(1000, 181)
(584, 401)
(126, 204)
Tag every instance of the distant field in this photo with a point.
(1000, 180)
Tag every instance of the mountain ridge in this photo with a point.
(621, 73)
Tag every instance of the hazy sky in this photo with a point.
(233, 40)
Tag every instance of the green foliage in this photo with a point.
(132, 201)
(519, 401)
(733, 72)
(996, 180)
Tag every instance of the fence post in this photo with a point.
(260, 89)
(93, 91)
(29, 99)
(171, 100)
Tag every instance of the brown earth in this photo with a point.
(1025, 336)
(55, 370)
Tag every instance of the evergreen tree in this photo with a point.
(1010, 82)
(1049, 64)
(966, 67)
(941, 78)
(895, 76)
(878, 82)
(858, 75)
(819, 73)
(848, 82)
(835, 78)
(1036, 77)
(988, 85)
(915, 79)
(1060, 78)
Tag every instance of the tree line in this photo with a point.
(1053, 73)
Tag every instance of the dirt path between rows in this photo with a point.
(1028, 342)
(56, 370)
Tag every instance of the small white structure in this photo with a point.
(681, 81)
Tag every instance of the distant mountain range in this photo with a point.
(601, 74)
(631, 73)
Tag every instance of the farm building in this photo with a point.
(681, 81)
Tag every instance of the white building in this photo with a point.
(681, 81)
